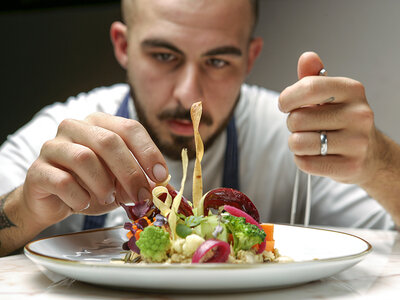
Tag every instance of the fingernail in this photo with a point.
(110, 199)
(159, 172)
(143, 194)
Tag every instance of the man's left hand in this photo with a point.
(338, 106)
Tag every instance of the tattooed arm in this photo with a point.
(17, 227)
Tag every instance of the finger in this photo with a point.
(138, 141)
(340, 142)
(113, 151)
(356, 117)
(313, 90)
(121, 195)
(85, 164)
(309, 64)
(337, 167)
(321, 117)
(61, 183)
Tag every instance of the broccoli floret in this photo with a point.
(245, 235)
(154, 243)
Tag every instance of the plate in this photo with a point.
(86, 256)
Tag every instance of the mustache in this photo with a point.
(184, 114)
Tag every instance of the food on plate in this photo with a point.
(221, 226)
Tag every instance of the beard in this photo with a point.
(173, 149)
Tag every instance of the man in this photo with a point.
(88, 155)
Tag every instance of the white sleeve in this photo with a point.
(21, 149)
(346, 205)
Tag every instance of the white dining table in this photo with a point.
(377, 276)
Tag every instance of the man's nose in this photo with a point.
(188, 88)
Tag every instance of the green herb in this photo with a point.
(183, 231)
(193, 221)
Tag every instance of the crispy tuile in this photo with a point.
(195, 113)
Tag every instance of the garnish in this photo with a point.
(239, 213)
(154, 243)
(197, 192)
(226, 196)
(183, 230)
(245, 235)
(193, 221)
(212, 251)
(160, 220)
(140, 209)
(171, 229)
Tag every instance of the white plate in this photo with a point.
(86, 256)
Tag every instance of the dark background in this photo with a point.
(51, 50)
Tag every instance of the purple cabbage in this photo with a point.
(138, 210)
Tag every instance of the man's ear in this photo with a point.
(255, 48)
(118, 34)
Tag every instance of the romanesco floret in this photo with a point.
(245, 235)
(154, 243)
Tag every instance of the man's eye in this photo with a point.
(164, 57)
(217, 63)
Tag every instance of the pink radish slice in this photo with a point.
(249, 219)
(219, 252)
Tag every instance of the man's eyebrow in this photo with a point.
(231, 50)
(160, 44)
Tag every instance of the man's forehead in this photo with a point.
(190, 13)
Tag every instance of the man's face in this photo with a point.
(183, 51)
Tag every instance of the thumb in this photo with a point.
(309, 64)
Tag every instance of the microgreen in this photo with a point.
(182, 230)
(193, 221)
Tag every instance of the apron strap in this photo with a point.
(123, 109)
(231, 164)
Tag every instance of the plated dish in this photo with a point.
(89, 256)
(214, 242)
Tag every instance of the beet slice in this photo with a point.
(135, 212)
(227, 196)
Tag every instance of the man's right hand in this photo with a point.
(90, 167)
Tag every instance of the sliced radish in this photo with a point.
(212, 251)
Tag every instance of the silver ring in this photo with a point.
(323, 72)
(324, 143)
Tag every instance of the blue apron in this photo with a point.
(231, 164)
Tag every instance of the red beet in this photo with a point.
(227, 196)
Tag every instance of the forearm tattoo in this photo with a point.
(4, 220)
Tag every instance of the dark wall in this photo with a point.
(49, 54)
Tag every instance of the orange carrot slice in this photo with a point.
(269, 230)
(269, 245)
(137, 234)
